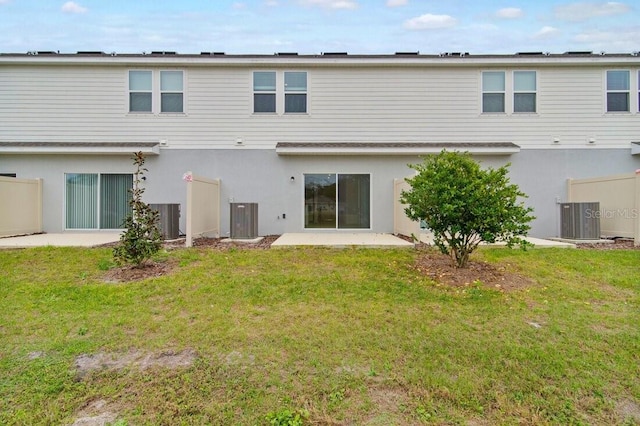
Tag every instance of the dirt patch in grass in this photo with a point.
(130, 273)
(225, 244)
(440, 268)
(137, 359)
(629, 410)
(96, 413)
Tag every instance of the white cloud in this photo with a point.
(4, 1)
(73, 7)
(430, 22)
(510, 13)
(397, 3)
(271, 3)
(546, 32)
(331, 4)
(618, 40)
(576, 12)
(239, 5)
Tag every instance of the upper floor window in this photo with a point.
(171, 91)
(156, 91)
(140, 90)
(524, 91)
(275, 92)
(493, 91)
(618, 91)
(295, 92)
(264, 91)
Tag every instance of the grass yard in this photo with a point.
(354, 337)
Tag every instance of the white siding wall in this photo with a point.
(392, 104)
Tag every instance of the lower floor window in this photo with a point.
(97, 201)
(340, 201)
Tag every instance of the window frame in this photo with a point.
(130, 92)
(279, 93)
(503, 92)
(99, 199)
(525, 92)
(171, 92)
(626, 91)
(295, 92)
(336, 224)
(156, 91)
(270, 92)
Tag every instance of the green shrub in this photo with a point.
(465, 205)
(141, 238)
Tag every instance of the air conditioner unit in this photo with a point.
(580, 221)
(168, 220)
(244, 220)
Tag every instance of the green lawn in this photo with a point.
(336, 336)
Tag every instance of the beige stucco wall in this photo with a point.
(20, 206)
(619, 198)
(203, 207)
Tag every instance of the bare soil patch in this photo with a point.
(136, 359)
(97, 413)
(441, 269)
(225, 244)
(130, 273)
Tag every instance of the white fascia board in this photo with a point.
(393, 151)
(83, 150)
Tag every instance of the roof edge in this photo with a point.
(394, 148)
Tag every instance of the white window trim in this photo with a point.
(129, 91)
(156, 93)
(633, 88)
(254, 92)
(280, 94)
(183, 93)
(505, 92)
(514, 91)
(509, 93)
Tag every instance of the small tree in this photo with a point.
(141, 239)
(464, 205)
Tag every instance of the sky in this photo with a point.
(318, 26)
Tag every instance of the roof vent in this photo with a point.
(286, 54)
(47, 52)
(334, 54)
(159, 52)
(579, 52)
(89, 52)
(528, 53)
(407, 53)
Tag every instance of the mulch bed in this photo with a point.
(430, 262)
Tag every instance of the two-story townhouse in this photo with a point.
(315, 140)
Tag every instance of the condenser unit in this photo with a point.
(244, 220)
(580, 221)
(168, 220)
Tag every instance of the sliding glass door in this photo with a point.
(340, 201)
(96, 201)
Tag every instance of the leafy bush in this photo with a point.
(141, 239)
(464, 204)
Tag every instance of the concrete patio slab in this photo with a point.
(60, 240)
(341, 240)
(537, 242)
